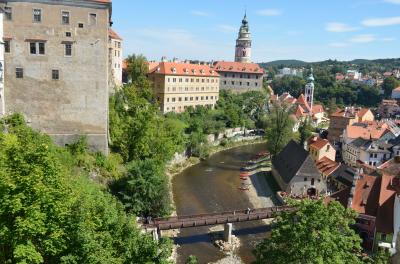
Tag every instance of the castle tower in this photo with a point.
(309, 91)
(243, 43)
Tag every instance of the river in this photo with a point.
(212, 186)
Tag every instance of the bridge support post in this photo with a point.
(156, 233)
(228, 233)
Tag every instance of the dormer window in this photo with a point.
(173, 69)
(202, 71)
(158, 69)
(230, 68)
(186, 70)
(194, 71)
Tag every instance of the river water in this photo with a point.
(212, 186)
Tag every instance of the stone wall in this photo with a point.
(76, 103)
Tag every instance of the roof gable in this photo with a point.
(294, 160)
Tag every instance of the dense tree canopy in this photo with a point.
(50, 212)
(279, 129)
(314, 233)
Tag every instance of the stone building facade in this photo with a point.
(178, 86)
(115, 57)
(239, 77)
(57, 67)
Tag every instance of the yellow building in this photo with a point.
(320, 148)
(178, 86)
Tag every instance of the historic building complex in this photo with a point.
(56, 56)
(241, 75)
(179, 85)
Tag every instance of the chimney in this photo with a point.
(353, 188)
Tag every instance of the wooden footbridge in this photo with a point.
(191, 221)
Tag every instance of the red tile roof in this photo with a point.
(317, 109)
(238, 67)
(112, 34)
(318, 143)
(302, 101)
(384, 218)
(326, 166)
(366, 195)
(184, 69)
(371, 130)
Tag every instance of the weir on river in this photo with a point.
(212, 186)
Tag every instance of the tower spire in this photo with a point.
(243, 42)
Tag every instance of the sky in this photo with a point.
(309, 30)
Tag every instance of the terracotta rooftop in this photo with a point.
(184, 69)
(317, 109)
(326, 166)
(112, 34)
(366, 130)
(397, 89)
(238, 67)
(366, 195)
(384, 218)
(318, 143)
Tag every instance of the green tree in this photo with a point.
(50, 212)
(279, 128)
(305, 131)
(389, 84)
(144, 191)
(313, 233)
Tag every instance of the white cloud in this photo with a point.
(384, 21)
(366, 38)
(226, 28)
(199, 13)
(338, 44)
(269, 12)
(339, 27)
(397, 2)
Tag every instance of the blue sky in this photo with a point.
(310, 30)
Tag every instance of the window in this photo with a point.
(37, 48)
(65, 17)
(119, 45)
(8, 13)
(68, 49)
(37, 15)
(68, 34)
(55, 74)
(92, 19)
(19, 73)
(80, 25)
(7, 47)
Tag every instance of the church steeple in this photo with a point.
(243, 42)
(309, 91)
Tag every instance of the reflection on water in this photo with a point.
(212, 186)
